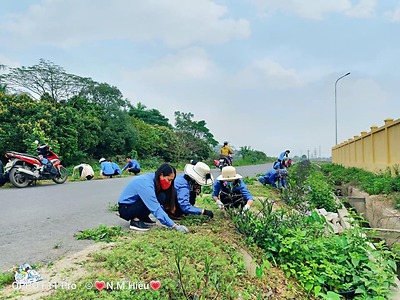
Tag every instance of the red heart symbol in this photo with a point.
(99, 285)
(155, 285)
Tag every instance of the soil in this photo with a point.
(66, 271)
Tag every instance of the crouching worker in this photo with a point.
(273, 176)
(150, 193)
(107, 168)
(231, 191)
(132, 165)
(188, 186)
(85, 171)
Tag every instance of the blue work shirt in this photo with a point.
(272, 176)
(116, 167)
(131, 164)
(238, 188)
(143, 188)
(182, 188)
(282, 155)
(107, 168)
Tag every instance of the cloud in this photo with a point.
(318, 9)
(176, 23)
(4, 60)
(363, 9)
(394, 15)
(185, 65)
(270, 74)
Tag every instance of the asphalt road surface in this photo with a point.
(38, 223)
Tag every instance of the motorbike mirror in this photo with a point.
(36, 142)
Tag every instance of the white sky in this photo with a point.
(261, 73)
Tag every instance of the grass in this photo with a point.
(204, 264)
(101, 234)
(6, 278)
(209, 260)
(208, 257)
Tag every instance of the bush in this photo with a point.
(309, 189)
(371, 183)
(322, 262)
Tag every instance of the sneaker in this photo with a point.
(173, 217)
(138, 225)
(148, 221)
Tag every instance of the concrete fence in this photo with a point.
(373, 151)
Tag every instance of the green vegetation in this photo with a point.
(101, 234)
(296, 254)
(321, 261)
(6, 278)
(308, 189)
(387, 183)
(304, 246)
(205, 264)
(83, 120)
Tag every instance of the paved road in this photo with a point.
(38, 223)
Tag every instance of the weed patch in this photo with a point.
(203, 264)
(101, 234)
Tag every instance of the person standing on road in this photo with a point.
(150, 193)
(231, 191)
(188, 186)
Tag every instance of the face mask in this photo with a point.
(228, 184)
(165, 184)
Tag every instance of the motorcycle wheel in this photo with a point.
(63, 176)
(18, 179)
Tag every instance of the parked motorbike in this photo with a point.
(25, 169)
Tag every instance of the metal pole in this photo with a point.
(336, 104)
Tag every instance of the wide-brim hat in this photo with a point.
(200, 173)
(228, 173)
(101, 160)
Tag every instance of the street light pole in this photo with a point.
(336, 103)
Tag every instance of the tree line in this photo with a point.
(82, 119)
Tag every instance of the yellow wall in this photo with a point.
(374, 151)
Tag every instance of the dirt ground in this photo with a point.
(64, 272)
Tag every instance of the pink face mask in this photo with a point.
(165, 184)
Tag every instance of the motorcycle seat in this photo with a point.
(24, 154)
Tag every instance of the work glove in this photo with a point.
(219, 203)
(208, 213)
(181, 228)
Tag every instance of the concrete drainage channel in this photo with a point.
(381, 218)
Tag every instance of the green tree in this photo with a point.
(198, 129)
(152, 116)
(46, 77)
(169, 147)
(148, 139)
(109, 97)
(244, 151)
